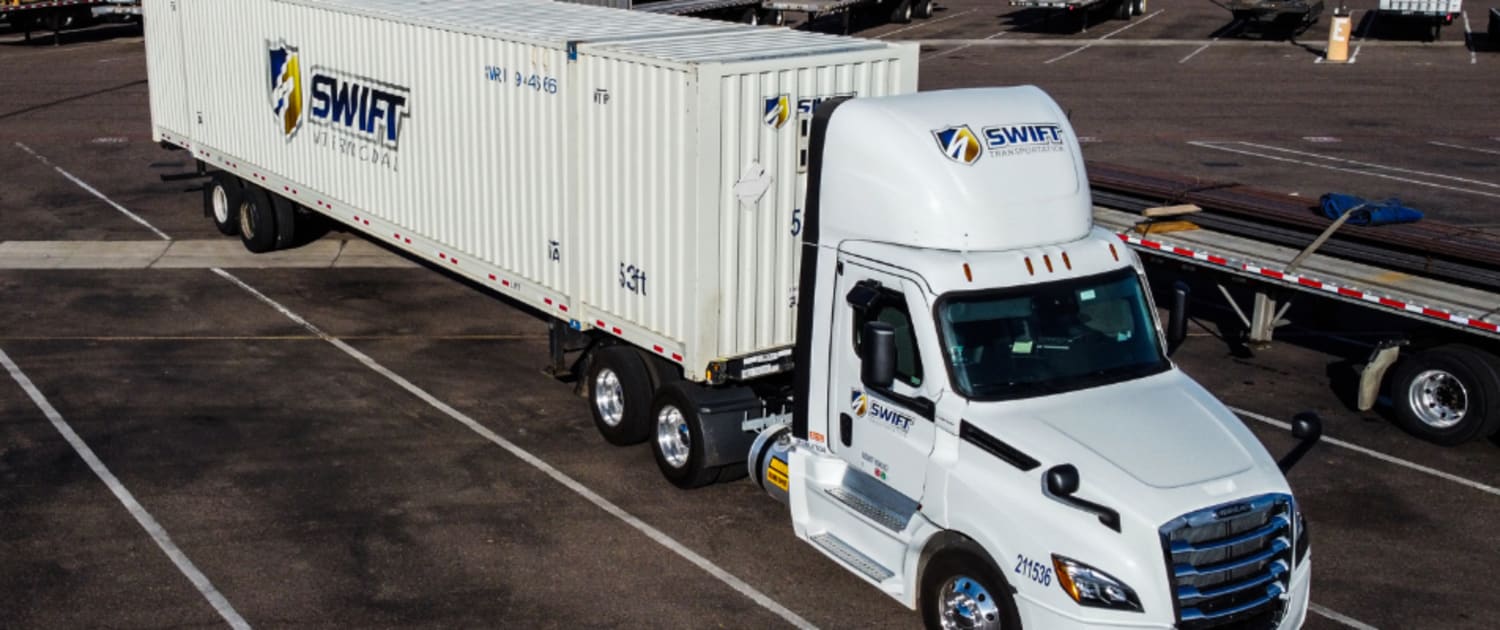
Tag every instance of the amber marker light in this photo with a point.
(1114, 253)
(967, 273)
(1067, 263)
(1030, 271)
(1064, 579)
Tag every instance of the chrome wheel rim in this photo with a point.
(247, 220)
(1438, 399)
(221, 204)
(967, 604)
(672, 436)
(609, 397)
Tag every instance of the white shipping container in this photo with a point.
(1422, 7)
(636, 173)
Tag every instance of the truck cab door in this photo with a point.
(886, 433)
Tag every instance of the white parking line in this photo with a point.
(1104, 37)
(1469, 39)
(972, 43)
(1340, 617)
(235, 621)
(1360, 43)
(144, 518)
(928, 22)
(1199, 50)
(653, 533)
(1215, 145)
(1459, 146)
(93, 192)
(1391, 459)
(1383, 167)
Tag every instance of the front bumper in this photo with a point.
(1037, 615)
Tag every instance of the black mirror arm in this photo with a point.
(1061, 482)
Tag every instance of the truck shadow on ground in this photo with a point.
(41, 37)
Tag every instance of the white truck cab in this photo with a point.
(989, 427)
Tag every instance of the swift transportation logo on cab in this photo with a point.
(962, 145)
(864, 406)
(369, 115)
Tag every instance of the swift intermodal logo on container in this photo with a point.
(778, 109)
(286, 87)
(371, 110)
(962, 145)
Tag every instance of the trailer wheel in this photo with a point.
(775, 17)
(1123, 9)
(901, 13)
(923, 9)
(221, 202)
(961, 589)
(257, 220)
(620, 396)
(679, 444)
(1138, 7)
(1448, 395)
(751, 16)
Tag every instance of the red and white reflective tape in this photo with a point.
(1329, 287)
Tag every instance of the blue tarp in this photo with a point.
(1368, 212)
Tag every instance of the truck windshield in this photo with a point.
(1050, 338)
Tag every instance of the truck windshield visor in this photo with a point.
(1050, 338)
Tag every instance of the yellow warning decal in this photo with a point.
(776, 474)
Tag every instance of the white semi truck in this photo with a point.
(771, 257)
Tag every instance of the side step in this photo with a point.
(874, 500)
(852, 557)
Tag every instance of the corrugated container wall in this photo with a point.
(636, 173)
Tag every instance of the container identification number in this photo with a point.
(537, 82)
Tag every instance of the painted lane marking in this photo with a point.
(1459, 146)
(1104, 37)
(653, 533)
(926, 23)
(144, 518)
(1215, 146)
(1360, 43)
(1390, 459)
(1340, 617)
(1469, 39)
(966, 44)
(93, 192)
(1384, 167)
(1199, 50)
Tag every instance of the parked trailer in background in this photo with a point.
(1437, 13)
(746, 11)
(897, 11)
(982, 421)
(1079, 10)
(1440, 372)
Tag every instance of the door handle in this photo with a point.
(846, 429)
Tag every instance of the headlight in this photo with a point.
(1303, 541)
(1091, 587)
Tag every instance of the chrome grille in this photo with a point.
(1231, 565)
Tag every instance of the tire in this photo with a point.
(221, 202)
(1448, 395)
(1123, 8)
(257, 219)
(923, 9)
(773, 18)
(286, 221)
(751, 16)
(677, 441)
(985, 593)
(620, 396)
(901, 12)
(1138, 7)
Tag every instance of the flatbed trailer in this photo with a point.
(1079, 10)
(1445, 385)
(1294, 14)
(746, 11)
(897, 11)
(1436, 13)
(29, 16)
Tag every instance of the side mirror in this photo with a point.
(1307, 427)
(1177, 319)
(1062, 482)
(877, 368)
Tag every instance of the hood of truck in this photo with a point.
(1164, 431)
(1161, 433)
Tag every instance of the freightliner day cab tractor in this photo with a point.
(766, 254)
